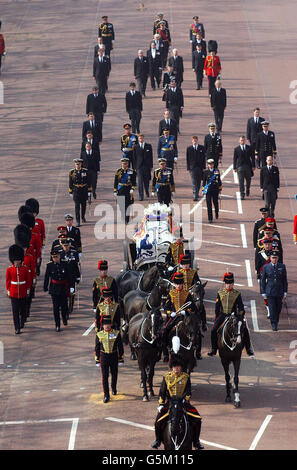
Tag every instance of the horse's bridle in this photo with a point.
(235, 339)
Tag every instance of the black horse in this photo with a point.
(177, 433)
(183, 339)
(132, 280)
(144, 339)
(230, 345)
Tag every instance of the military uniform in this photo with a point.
(17, 286)
(128, 143)
(109, 351)
(165, 37)
(124, 185)
(213, 146)
(163, 185)
(212, 68)
(176, 386)
(274, 234)
(259, 225)
(106, 32)
(265, 146)
(81, 188)
(213, 180)
(74, 234)
(176, 249)
(157, 25)
(39, 227)
(228, 302)
(262, 257)
(167, 149)
(71, 257)
(59, 283)
(103, 309)
(101, 282)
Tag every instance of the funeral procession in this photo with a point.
(149, 228)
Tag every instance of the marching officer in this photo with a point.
(73, 233)
(101, 282)
(124, 185)
(128, 141)
(195, 27)
(22, 237)
(274, 287)
(106, 32)
(212, 186)
(270, 232)
(109, 352)
(167, 148)
(80, 189)
(195, 165)
(160, 17)
(213, 145)
(59, 283)
(228, 301)
(173, 305)
(28, 219)
(175, 251)
(177, 384)
(198, 60)
(107, 306)
(134, 107)
(62, 234)
(265, 145)
(253, 127)
(17, 286)
(212, 68)
(164, 33)
(262, 257)
(39, 227)
(70, 255)
(259, 225)
(163, 183)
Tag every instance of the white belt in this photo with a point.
(18, 283)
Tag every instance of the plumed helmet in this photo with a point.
(16, 253)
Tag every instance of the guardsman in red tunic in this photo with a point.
(27, 218)
(39, 227)
(212, 68)
(17, 286)
(2, 47)
(295, 230)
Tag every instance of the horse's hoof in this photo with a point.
(228, 399)
(145, 398)
(237, 404)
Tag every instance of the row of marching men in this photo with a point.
(62, 272)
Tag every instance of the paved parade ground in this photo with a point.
(50, 388)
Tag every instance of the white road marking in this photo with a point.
(221, 210)
(151, 428)
(210, 301)
(218, 243)
(219, 262)
(239, 205)
(89, 329)
(73, 434)
(215, 225)
(227, 195)
(260, 432)
(248, 273)
(254, 315)
(243, 236)
(235, 177)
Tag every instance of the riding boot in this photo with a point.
(247, 342)
(198, 346)
(158, 433)
(196, 428)
(203, 318)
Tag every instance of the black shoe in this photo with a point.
(114, 392)
(212, 352)
(274, 328)
(94, 196)
(165, 358)
(242, 197)
(18, 332)
(65, 322)
(198, 446)
(250, 352)
(58, 328)
(210, 221)
(106, 399)
(84, 220)
(141, 198)
(217, 216)
(204, 327)
(195, 198)
(78, 225)
(22, 325)
(156, 444)
(198, 356)
(247, 192)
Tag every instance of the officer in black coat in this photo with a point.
(176, 61)
(265, 144)
(175, 102)
(73, 233)
(101, 69)
(259, 225)
(106, 32)
(59, 283)
(212, 186)
(80, 188)
(91, 161)
(96, 103)
(253, 127)
(163, 183)
(141, 71)
(143, 164)
(195, 165)
(70, 256)
(269, 184)
(244, 165)
(198, 60)
(213, 145)
(134, 107)
(124, 185)
(218, 102)
(274, 287)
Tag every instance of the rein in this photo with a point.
(234, 340)
(141, 330)
(174, 441)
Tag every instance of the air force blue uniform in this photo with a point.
(274, 285)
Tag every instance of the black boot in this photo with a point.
(247, 343)
(196, 436)
(158, 440)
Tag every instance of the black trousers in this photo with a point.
(212, 197)
(18, 312)
(175, 114)
(128, 200)
(93, 179)
(270, 200)
(165, 54)
(143, 181)
(155, 75)
(80, 207)
(109, 362)
(164, 195)
(196, 176)
(199, 78)
(211, 84)
(219, 117)
(141, 83)
(60, 303)
(244, 175)
(275, 307)
(102, 84)
(135, 117)
(29, 301)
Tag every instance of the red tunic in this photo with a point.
(17, 282)
(2, 44)
(29, 262)
(39, 224)
(212, 66)
(295, 229)
(36, 243)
